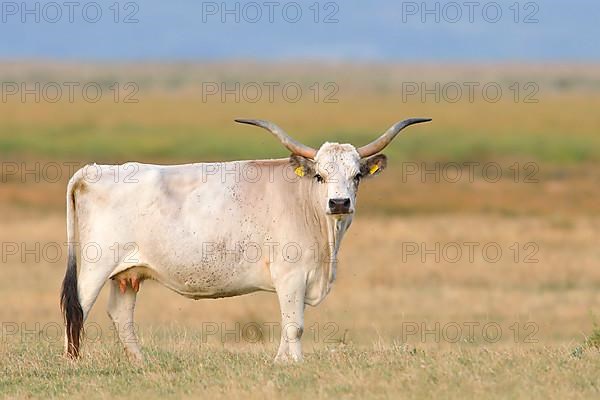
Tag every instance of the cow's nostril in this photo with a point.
(339, 206)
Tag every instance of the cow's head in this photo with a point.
(335, 170)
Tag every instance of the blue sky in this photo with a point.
(384, 30)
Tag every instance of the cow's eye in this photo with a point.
(319, 178)
(357, 177)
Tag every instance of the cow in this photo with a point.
(212, 230)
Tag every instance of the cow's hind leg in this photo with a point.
(121, 305)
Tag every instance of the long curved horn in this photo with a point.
(292, 145)
(381, 142)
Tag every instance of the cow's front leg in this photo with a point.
(291, 292)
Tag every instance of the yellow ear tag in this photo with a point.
(373, 169)
(299, 171)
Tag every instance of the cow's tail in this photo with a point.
(69, 297)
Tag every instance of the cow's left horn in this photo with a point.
(285, 139)
(380, 143)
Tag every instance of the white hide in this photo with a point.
(212, 230)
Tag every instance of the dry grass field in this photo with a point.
(467, 288)
(448, 328)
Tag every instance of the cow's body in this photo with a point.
(205, 230)
(214, 230)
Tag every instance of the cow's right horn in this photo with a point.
(285, 139)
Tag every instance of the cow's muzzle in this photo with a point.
(339, 206)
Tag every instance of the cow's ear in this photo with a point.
(373, 165)
(302, 166)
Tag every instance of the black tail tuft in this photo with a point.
(71, 308)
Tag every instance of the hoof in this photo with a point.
(135, 358)
(287, 359)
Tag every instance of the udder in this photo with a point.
(132, 277)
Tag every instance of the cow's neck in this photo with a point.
(336, 228)
(332, 230)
